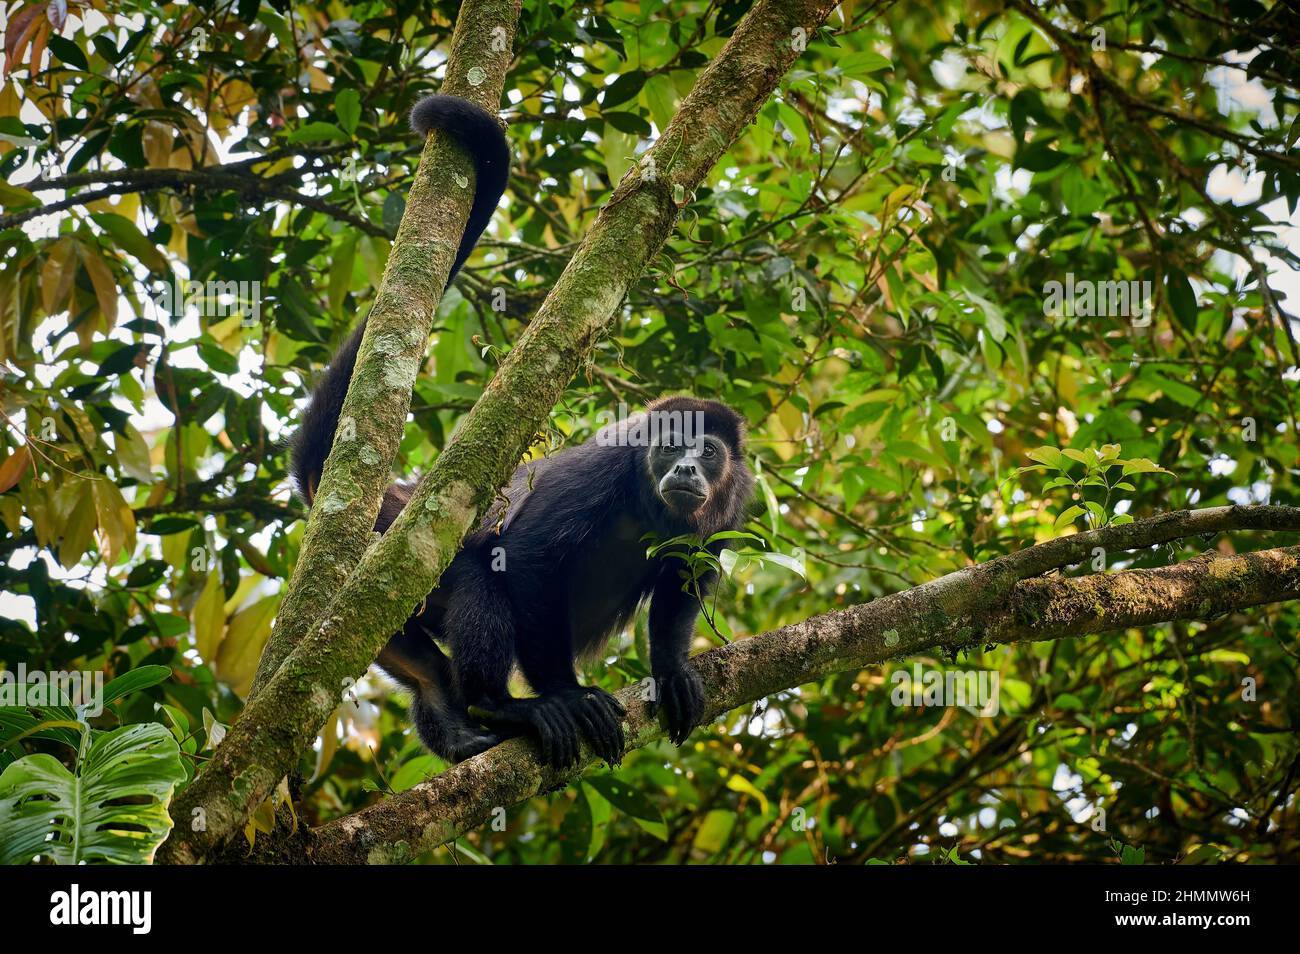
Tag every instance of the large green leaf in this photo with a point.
(112, 811)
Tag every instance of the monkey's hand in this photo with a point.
(680, 693)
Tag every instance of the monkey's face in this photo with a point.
(685, 472)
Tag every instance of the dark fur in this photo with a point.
(575, 567)
(575, 572)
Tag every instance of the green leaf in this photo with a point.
(863, 63)
(629, 123)
(113, 810)
(661, 95)
(1182, 299)
(1039, 156)
(341, 273)
(131, 240)
(15, 197)
(577, 830)
(133, 454)
(68, 52)
(394, 208)
(1141, 465)
(414, 771)
(622, 89)
(139, 678)
(318, 132)
(769, 497)
(1051, 456)
(791, 563)
(1068, 517)
(347, 107)
(1133, 856)
(626, 798)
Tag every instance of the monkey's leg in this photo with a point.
(414, 660)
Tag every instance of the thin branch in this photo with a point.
(145, 180)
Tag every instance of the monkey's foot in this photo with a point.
(466, 743)
(681, 696)
(557, 718)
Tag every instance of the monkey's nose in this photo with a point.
(685, 469)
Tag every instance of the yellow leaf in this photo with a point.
(101, 277)
(11, 512)
(329, 743)
(116, 521)
(57, 275)
(9, 106)
(133, 455)
(80, 528)
(176, 550)
(128, 206)
(85, 429)
(157, 142)
(247, 633)
(209, 618)
(738, 783)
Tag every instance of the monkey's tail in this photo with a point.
(479, 134)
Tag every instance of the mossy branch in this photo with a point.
(397, 331)
(949, 613)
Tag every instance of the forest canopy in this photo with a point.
(979, 276)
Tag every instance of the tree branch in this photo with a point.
(937, 615)
(379, 396)
(269, 736)
(145, 180)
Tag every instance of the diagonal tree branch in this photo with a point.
(941, 614)
(397, 330)
(395, 574)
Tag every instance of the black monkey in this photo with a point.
(558, 567)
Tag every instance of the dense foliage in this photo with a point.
(867, 276)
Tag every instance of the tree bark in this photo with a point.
(392, 577)
(379, 396)
(950, 613)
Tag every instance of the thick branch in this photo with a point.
(379, 396)
(396, 573)
(401, 828)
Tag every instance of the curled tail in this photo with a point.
(479, 134)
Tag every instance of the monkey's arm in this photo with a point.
(677, 689)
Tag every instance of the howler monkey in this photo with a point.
(559, 563)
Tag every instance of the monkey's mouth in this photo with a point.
(682, 494)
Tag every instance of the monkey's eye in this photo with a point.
(670, 449)
(710, 451)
